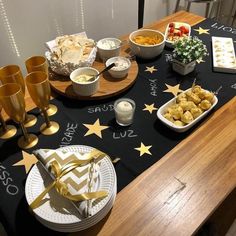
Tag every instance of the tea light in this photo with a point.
(124, 111)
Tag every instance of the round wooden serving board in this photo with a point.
(109, 86)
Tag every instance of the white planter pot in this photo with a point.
(182, 68)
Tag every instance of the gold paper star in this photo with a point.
(95, 128)
(27, 161)
(173, 89)
(199, 61)
(200, 30)
(149, 108)
(144, 149)
(150, 69)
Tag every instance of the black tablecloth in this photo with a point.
(148, 92)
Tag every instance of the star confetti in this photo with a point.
(200, 30)
(95, 128)
(28, 161)
(150, 69)
(144, 149)
(149, 108)
(199, 61)
(173, 89)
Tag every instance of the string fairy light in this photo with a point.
(8, 29)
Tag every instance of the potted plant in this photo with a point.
(186, 51)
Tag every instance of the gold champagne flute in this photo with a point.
(6, 131)
(39, 63)
(39, 89)
(12, 74)
(13, 102)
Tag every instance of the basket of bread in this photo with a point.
(69, 52)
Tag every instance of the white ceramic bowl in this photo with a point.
(177, 25)
(162, 110)
(82, 88)
(121, 69)
(108, 47)
(146, 51)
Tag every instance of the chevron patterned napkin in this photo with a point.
(81, 180)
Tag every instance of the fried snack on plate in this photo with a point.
(179, 123)
(187, 117)
(205, 104)
(181, 97)
(196, 112)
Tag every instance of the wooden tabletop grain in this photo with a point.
(181, 191)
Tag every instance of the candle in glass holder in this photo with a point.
(124, 111)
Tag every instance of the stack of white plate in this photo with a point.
(59, 213)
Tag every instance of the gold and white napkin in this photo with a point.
(80, 180)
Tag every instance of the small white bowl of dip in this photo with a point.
(84, 81)
(121, 68)
(108, 47)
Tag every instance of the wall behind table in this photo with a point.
(157, 9)
(26, 24)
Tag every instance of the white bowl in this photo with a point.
(121, 69)
(85, 88)
(162, 110)
(108, 47)
(169, 43)
(146, 51)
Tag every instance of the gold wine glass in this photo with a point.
(6, 131)
(13, 102)
(12, 74)
(39, 89)
(39, 63)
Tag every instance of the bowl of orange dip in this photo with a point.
(147, 43)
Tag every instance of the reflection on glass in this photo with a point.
(6, 131)
(12, 74)
(36, 63)
(39, 63)
(13, 102)
(39, 89)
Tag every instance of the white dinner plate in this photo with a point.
(57, 212)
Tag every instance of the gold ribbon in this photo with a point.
(62, 188)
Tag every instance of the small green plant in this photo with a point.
(189, 49)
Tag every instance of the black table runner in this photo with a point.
(92, 123)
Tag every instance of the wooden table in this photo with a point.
(181, 191)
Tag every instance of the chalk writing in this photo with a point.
(102, 108)
(169, 57)
(153, 87)
(124, 134)
(224, 28)
(7, 181)
(68, 134)
(233, 86)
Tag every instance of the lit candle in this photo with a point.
(124, 111)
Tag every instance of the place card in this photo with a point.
(223, 55)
